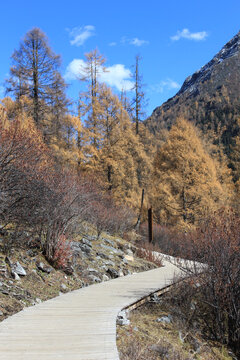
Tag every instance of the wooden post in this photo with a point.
(140, 212)
(150, 225)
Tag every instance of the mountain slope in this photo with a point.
(210, 98)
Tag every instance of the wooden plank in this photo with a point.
(80, 325)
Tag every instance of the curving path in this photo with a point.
(80, 325)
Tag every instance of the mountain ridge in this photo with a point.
(209, 98)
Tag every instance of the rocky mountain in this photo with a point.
(210, 97)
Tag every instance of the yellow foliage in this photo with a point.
(187, 183)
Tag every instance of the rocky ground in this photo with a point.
(27, 279)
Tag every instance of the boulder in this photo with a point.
(113, 273)
(43, 267)
(78, 248)
(18, 269)
(15, 275)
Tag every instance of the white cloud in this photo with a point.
(186, 34)
(80, 34)
(116, 75)
(135, 41)
(75, 69)
(138, 42)
(165, 85)
(112, 43)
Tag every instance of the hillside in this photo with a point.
(210, 98)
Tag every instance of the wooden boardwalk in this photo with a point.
(80, 325)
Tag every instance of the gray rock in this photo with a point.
(109, 242)
(18, 269)
(32, 252)
(1, 284)
(69, 270)
(3, 269)
(78, 248)
(63, 287)
(122, 318)
(1, 313)
(113, 273)
(15, 275)
(85, 248)
(93, 272)
(155, 299)
(92, 237)
(94, 278)
(163, 350)
(105, 277)
(104, 268)
(120, 273)
(165, 319)
(86, 242)
(102, 255)
(109, 263)
(43, 267)
(129, 252)
(112, 249)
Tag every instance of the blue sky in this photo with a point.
(174, 38)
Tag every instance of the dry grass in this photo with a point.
(147, 339)
(146, 251)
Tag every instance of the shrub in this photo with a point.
(217, 244)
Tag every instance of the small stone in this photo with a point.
(129, 257)
(120, 273)
(109, 263)
(155, 299)
(165, 319)
(45, 268)
(122, 318)
(63, 287)
(94, 278)
(1, 313)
